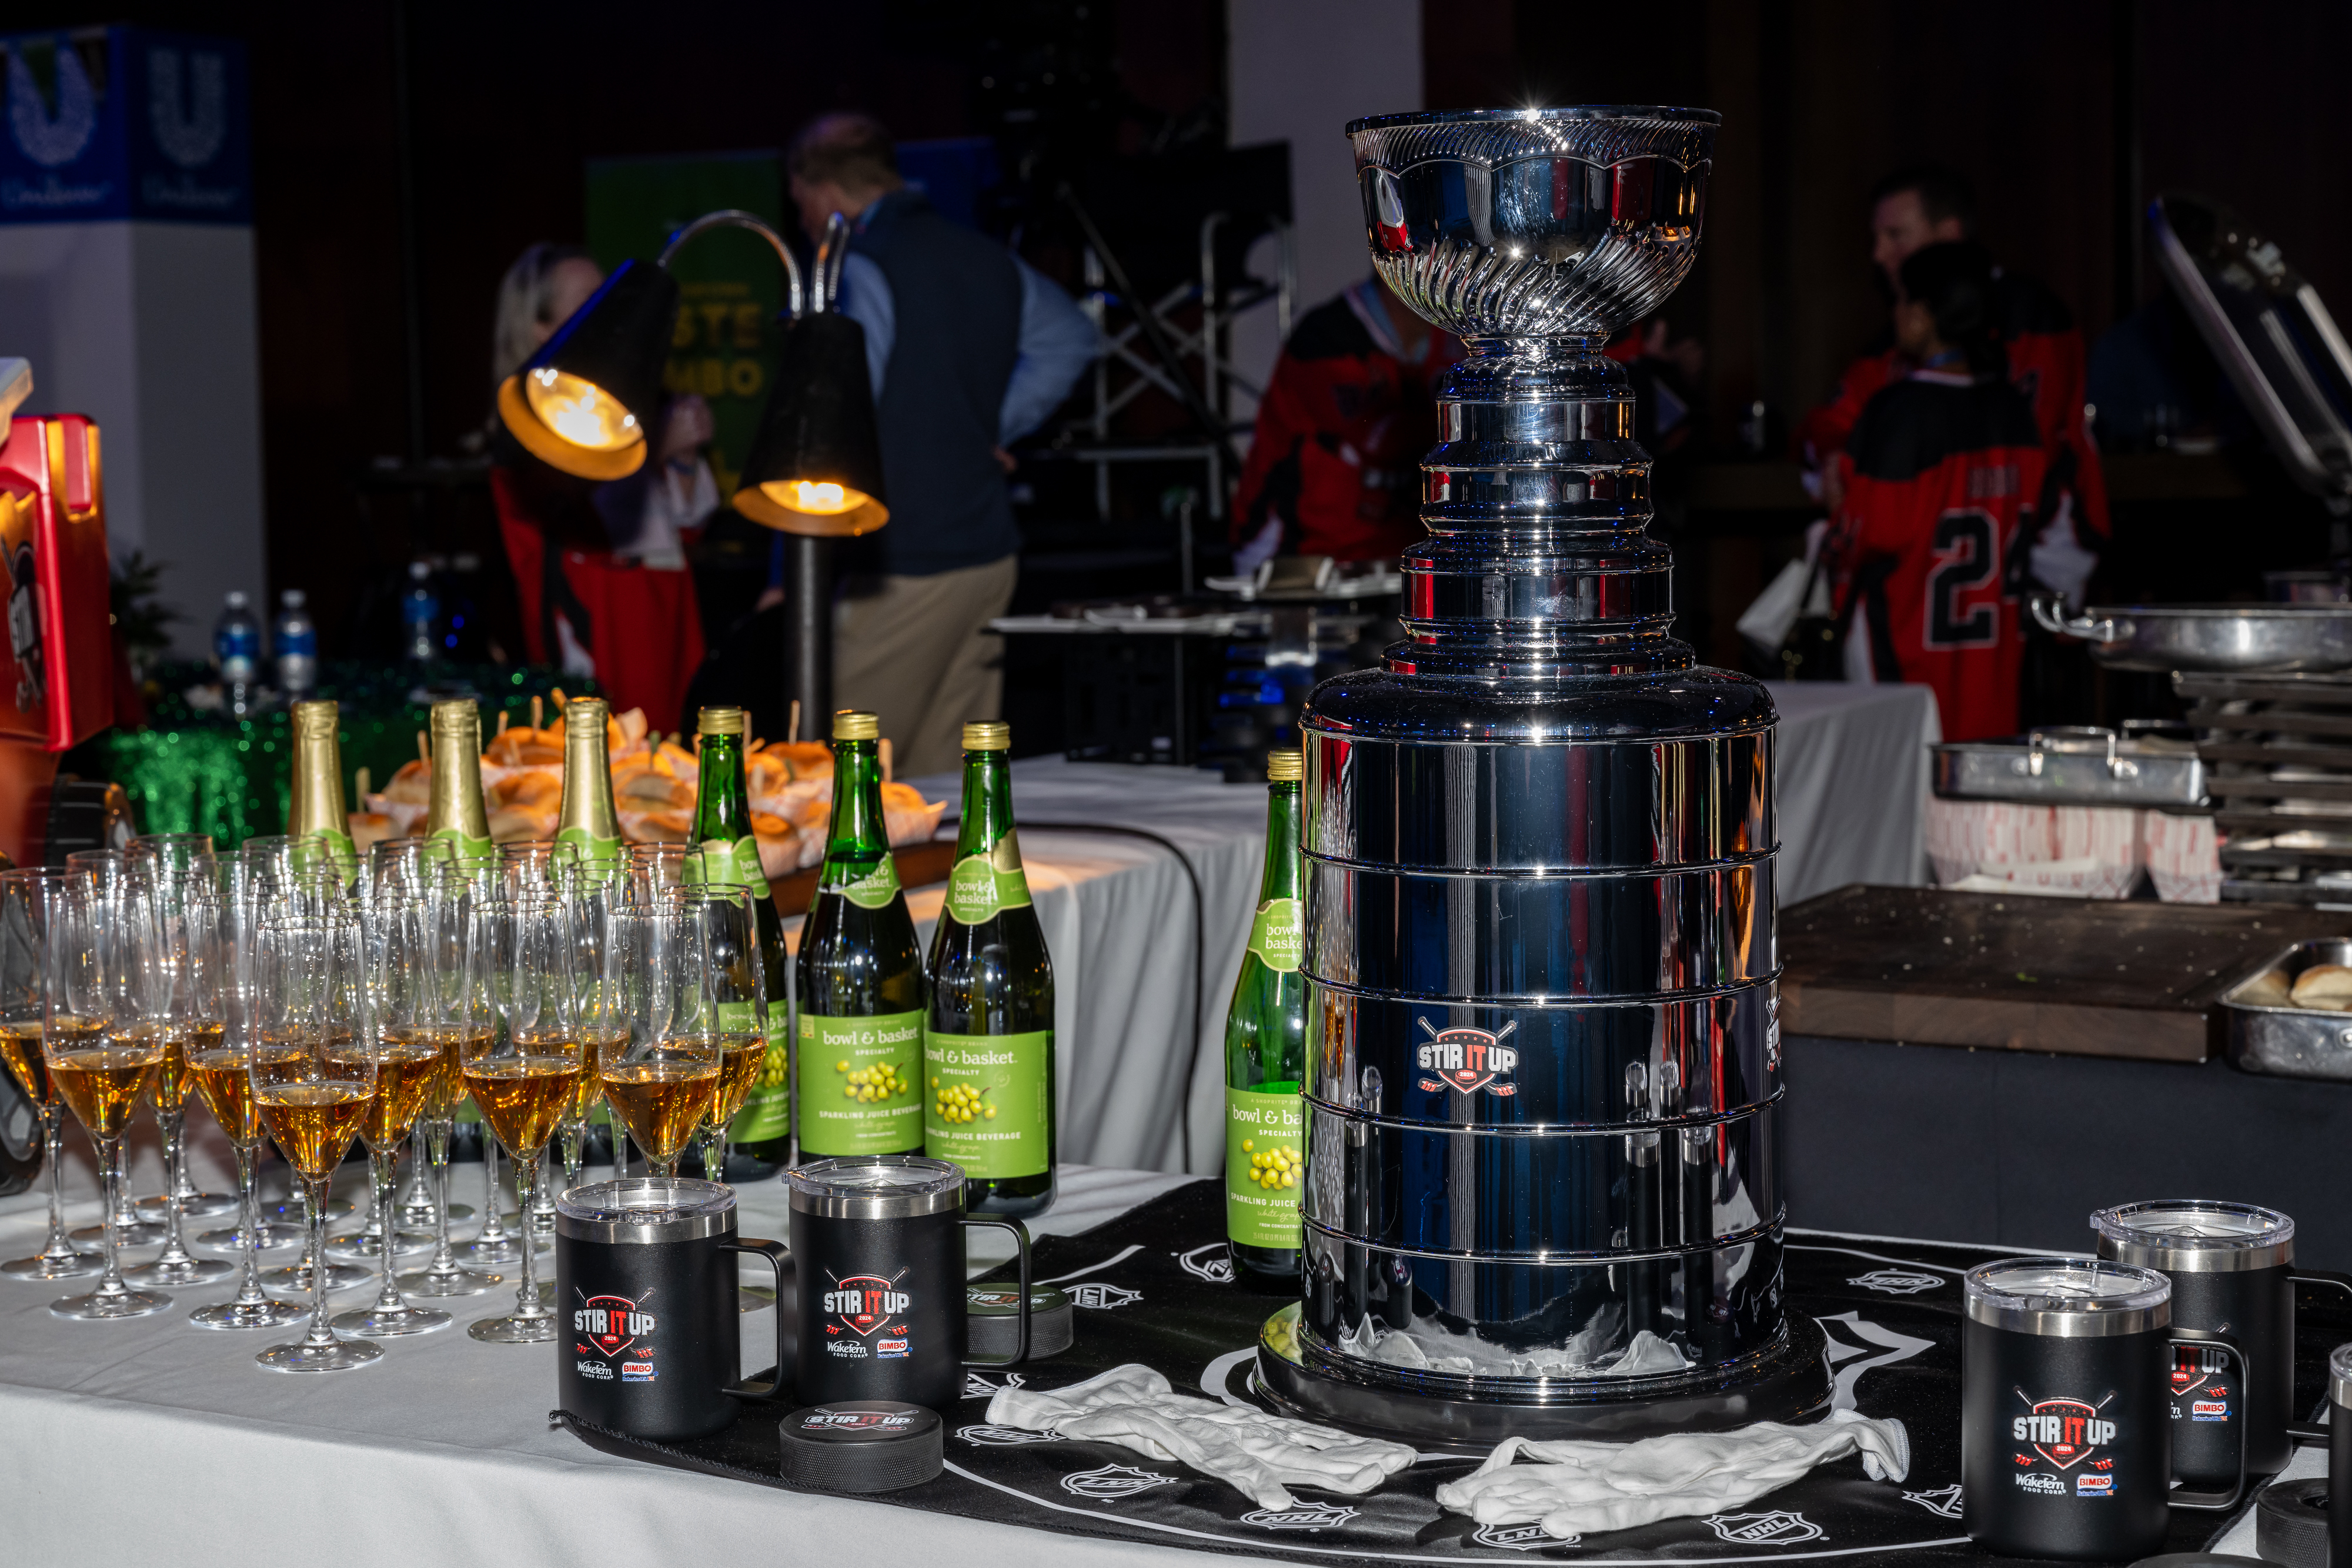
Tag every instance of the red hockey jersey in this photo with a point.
(1944, 482)
(2045, 363)
(1340, 435)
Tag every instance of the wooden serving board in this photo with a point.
(2077, 976)
(920, 866)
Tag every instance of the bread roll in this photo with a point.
(2323, 983)
(2267, 989)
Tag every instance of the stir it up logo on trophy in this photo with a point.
(1468, 1060)
(614, 1329)
(2067, 1435)
(870, 1308)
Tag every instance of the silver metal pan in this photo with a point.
(2226, 639)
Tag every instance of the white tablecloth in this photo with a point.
(149, 1441)
(1853, 777)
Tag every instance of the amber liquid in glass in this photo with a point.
(312, 1123)
(102, 1083)
(523, 1097)
(740, 1057)
(662, 1101)
(223, 1077)
(20, 1053)
(405, 1074)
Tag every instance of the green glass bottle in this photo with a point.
(858, 1032)
(988, 1055)
(1265, 1051)
(762, 1131)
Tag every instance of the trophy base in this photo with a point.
(1789, 1382)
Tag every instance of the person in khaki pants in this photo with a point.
(969, 348)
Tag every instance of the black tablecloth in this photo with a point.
(1151, 1287)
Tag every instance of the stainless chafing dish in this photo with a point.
(2267, 1033)
(2076, 765)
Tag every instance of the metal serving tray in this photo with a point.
(2290, 1041)
(2078, 766)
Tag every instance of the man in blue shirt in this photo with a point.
(970, 349)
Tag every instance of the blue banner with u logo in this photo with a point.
(124, 122)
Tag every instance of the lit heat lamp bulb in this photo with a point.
(580, 412)
(821, 498)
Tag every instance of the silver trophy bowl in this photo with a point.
(1537, 222)
(1542, 1193)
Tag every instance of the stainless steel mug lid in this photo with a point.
(2339, 1376)
(876, 1186)
(2195, 1236)
(646, 1210)
(2069, 1298)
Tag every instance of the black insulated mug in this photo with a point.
(2231, 1268)
(2066, 1423)
(647, 1338)
(878, 1241)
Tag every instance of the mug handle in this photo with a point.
(1020, 1234)
(2213, 1501)
(2313, 1431)
(777, 1254)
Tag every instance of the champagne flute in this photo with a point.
(540, 865)
(657, 1042)
(110, 869)
(407, 863)
(28, 905)
(224, 1076)
(185, 1009)
(485, 880)
(738, 995)
(458, 1003)
(229, 1094)
(409, 1061)
(100, 1059)
(314, 1101)
(173, 859)
(526, 1078)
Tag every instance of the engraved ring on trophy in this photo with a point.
(1542, 1193)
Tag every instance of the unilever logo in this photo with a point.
(51, 137)
(187, 104)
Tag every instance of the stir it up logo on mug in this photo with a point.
(611, 1329)
(1467, 1060)
(2067, 1435)
(870, 1307)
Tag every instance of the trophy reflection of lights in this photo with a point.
(814, 471)
(1541, 1196)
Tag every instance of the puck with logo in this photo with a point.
(992, 1320)
(860, 1445)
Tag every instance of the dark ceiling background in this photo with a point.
(2049, 105)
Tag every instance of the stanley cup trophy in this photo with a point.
(1541, 1195)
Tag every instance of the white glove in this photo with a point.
(1260, 1454)
(1586, 1488)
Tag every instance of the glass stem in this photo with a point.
(437, 1149)
(53, 1136)
(387, 1200)
(249, 1221)
(110, 1160)
(714, 1152)
(314, 1213)
(176, 1156)
(527, 1182)
(494, 1219)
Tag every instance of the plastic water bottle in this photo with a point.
(420, 616)
(294, 644)
(236, 651)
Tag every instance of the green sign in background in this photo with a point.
(724, 345)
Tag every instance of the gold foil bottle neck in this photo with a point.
(458, 716)
(458, 810)
(851, 723)
(316, 718)
(722, 721)
(584, 716)
(1285, 766)
(316, 806)
(988, 734)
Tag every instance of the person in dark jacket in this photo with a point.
(1945, 486)
(969, 348)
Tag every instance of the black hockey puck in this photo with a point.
(2291, 1523)
(860, 1445)
(2201, 1560)
(992, 1320)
